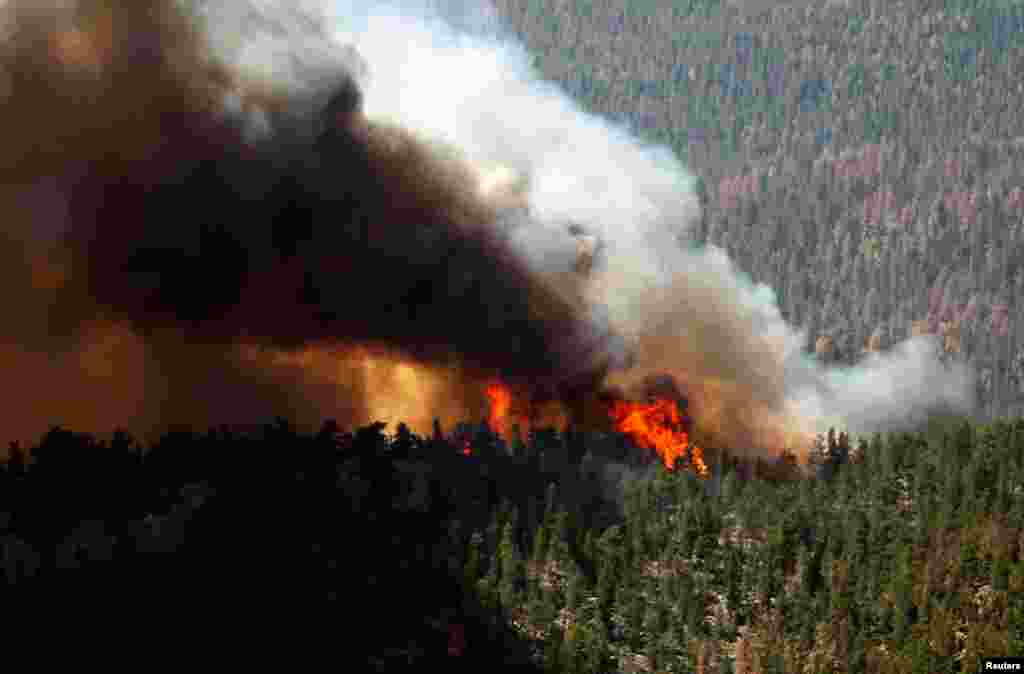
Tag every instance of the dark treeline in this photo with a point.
(554, 552)
(257, 544)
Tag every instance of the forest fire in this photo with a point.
(500, 400)
(659, 426)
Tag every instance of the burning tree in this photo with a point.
(659, 426)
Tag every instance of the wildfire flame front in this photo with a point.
(500, 399)
(659, 426)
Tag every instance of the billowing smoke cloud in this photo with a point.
(687, 312)
(220, 206)
(219, 200)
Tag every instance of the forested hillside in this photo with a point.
(388, 552)
(862, 158)
(906, 554)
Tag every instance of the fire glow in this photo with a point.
(659, 426)
(500, 399)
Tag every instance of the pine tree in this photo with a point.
(684, 599)
(885, 616)
(922, 484)
(627, 549)
(597, 655)
(488, 586)
(516, 445)
(903, 611)
(1003, 501)
(574, 590)
(635, 619)
(558, 540)
(882, 528)
(550, 501)
(875, 454)
(590, 550)
(512, 573)
(695, 615)
(543, 610)
(806, 564)
(839, 588)
(1015, 615)
(656, 654)
(1001, 574)
(495, 528)
(656, 618)
(969, 497)
(553, 650)
(920, 657)
(541, 542)
(607, 582)
(805, 619)
(858, 655)
(953, 494)
(733, 579)
(1016, 515)
(773, 664)
(570, 652)
(472, 568)
(697, 551)
(683, 537)
(404, 444)
(963, 442)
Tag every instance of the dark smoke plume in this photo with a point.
(162, 214)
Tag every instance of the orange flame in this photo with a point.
(500, 399)
(658, 426)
